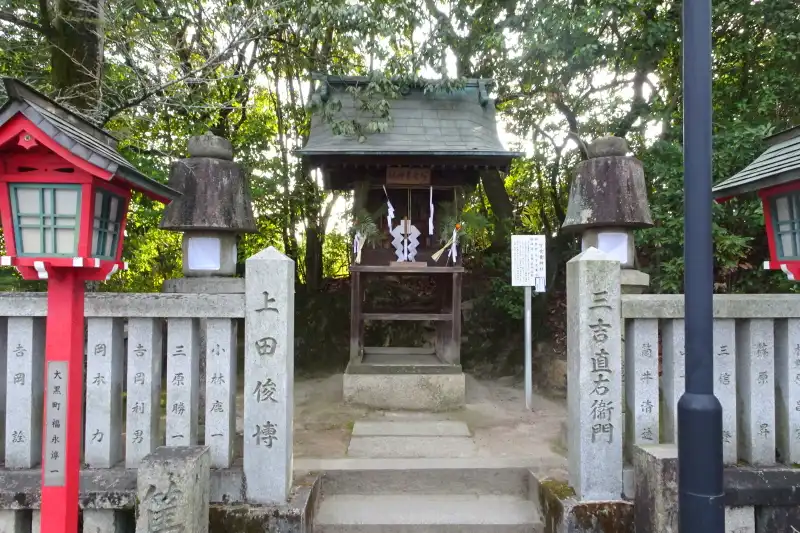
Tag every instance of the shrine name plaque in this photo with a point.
(55, 409)
(408, 176)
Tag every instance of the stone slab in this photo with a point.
(102, 521)
(673, 350)
(740, 520)
(471, 480)
(441, 428)
(24, 392)
(563, 513)
(425, 510)
(787, 391)
(725, 376)
(725, 305)
(183, 381)
(777, 519)
(172, 488)
(204, 285)
(411, 447)
(656, 472)
(416, 392)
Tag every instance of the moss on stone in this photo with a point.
(604, 517)
(559, 489)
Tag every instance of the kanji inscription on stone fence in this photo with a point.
(269, 375)
(787, 369)
(594, 376)
(183, 387)
(143, 414)
(55, 430)
(755, 343)
(725, 384)
(24, 390)
(220, 390)
(641, 385)
(528, 267)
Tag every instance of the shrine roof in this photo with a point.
(779, 164)
(455, 124)
(77, 135)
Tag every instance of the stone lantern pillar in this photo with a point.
(607, 201)
(214, 209)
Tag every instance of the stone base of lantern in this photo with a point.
(405, 387)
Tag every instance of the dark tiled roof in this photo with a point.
(779, 164)
(436, 123)
(77, 135)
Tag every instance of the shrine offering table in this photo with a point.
(423, 378)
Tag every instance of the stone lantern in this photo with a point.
(607, 201)
(213, 210)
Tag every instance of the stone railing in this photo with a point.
(756, 373)
(132, 407)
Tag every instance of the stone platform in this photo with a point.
(416, 382)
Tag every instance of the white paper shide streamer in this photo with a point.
(358, 245)
(430, 218)
(452, 254)
(389, 209)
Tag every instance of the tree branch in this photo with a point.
(13, 19)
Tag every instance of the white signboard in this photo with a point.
(528, 261)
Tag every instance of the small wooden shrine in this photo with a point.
(408, 184)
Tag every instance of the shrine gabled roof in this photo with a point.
(77, 135)
(779, 164)
(455, 124)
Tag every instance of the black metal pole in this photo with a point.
(699, 412)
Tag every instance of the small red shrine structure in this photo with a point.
(64, 195)
(775, 176)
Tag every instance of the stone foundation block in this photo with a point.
(103, 521)
(15, 521)
(563, 513)
(173, 487)
(777, 519)
(656, 471)
(419, 392)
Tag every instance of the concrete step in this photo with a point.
(386, 447)
(464, 481)
(413, 513)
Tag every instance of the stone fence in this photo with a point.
(142, 389)
(626, 374)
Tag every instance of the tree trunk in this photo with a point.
(503, 210)
(77, 52)
(314, 243)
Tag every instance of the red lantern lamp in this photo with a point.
(64, 196)
(775, 177)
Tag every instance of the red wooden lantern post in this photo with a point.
(64, 194)
(775, 177)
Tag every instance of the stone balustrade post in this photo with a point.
(594, 376)
(269, 376)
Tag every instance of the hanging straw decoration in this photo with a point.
(451, 244)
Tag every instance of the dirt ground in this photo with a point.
(495, 413)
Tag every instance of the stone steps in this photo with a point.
(440, 500)
(434, 513)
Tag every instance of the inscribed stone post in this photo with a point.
(24, 391)
(173, 488)
(594, 376)
(220, 390)
(725, 385)
(755, 369)
(269, 375)
(183, 369)
(787, 375)
(143, 409)
(673, 365)
(3, 362)
(641, 386)
(105, 345)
